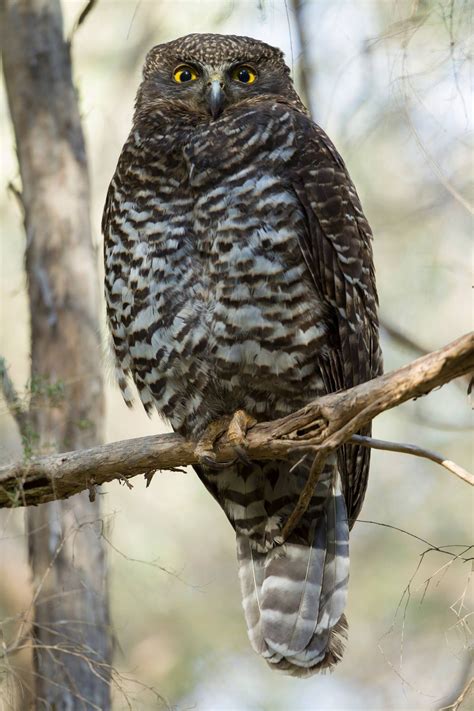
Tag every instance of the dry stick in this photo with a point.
(306, 495)
(462, 696)
(321, 426)
(417, 452)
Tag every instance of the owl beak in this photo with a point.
(215, 98)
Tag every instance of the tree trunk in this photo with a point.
(71, 640)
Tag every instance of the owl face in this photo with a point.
(201, 77)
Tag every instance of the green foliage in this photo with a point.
(84, 424)
(29, 440)
(41, 386)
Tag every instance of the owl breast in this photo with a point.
(213, 309)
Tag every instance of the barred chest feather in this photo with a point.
(209, 298)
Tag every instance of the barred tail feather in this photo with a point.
(294, 595)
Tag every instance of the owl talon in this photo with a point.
(205, 446)
(242, 455)
(236, 428)
(209, 461)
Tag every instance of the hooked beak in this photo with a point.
(215, 98)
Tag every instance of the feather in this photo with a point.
(239, 275)
(336, 245)
(294, 595)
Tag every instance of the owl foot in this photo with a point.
(205, 446)
(236, 428)
(239, 425)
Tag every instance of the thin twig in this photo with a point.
(81, 18)
(417, 452)
(17, 195)
(14, 404)
(402, 338)
(306, 494)
(462, 697)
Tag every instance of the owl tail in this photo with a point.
(294, 595)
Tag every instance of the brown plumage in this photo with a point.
(239, 275)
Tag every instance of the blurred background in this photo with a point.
(389, 81)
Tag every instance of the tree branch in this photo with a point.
(12, 399)
(463, 696)
(90, 4)
(416, 452)
(321, 426)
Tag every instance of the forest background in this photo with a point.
(390, 82)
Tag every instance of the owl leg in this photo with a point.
(205, 446)
(236, 428)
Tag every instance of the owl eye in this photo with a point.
(244, 74)
(184, 73)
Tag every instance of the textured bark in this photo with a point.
(71, 641)
(322, 425)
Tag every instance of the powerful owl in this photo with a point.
(239, 279)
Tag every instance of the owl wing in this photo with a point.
(336, 246)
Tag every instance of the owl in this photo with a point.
(240, 285)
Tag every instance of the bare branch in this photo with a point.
(463, 696)
(401, 338)
(11, 187)
(14, 404)
(305, 497)
(321, 426)
(417, 452)
(90, 4)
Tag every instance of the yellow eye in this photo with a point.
(244, 74)
(184, 73)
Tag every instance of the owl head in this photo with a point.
(201, 77)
